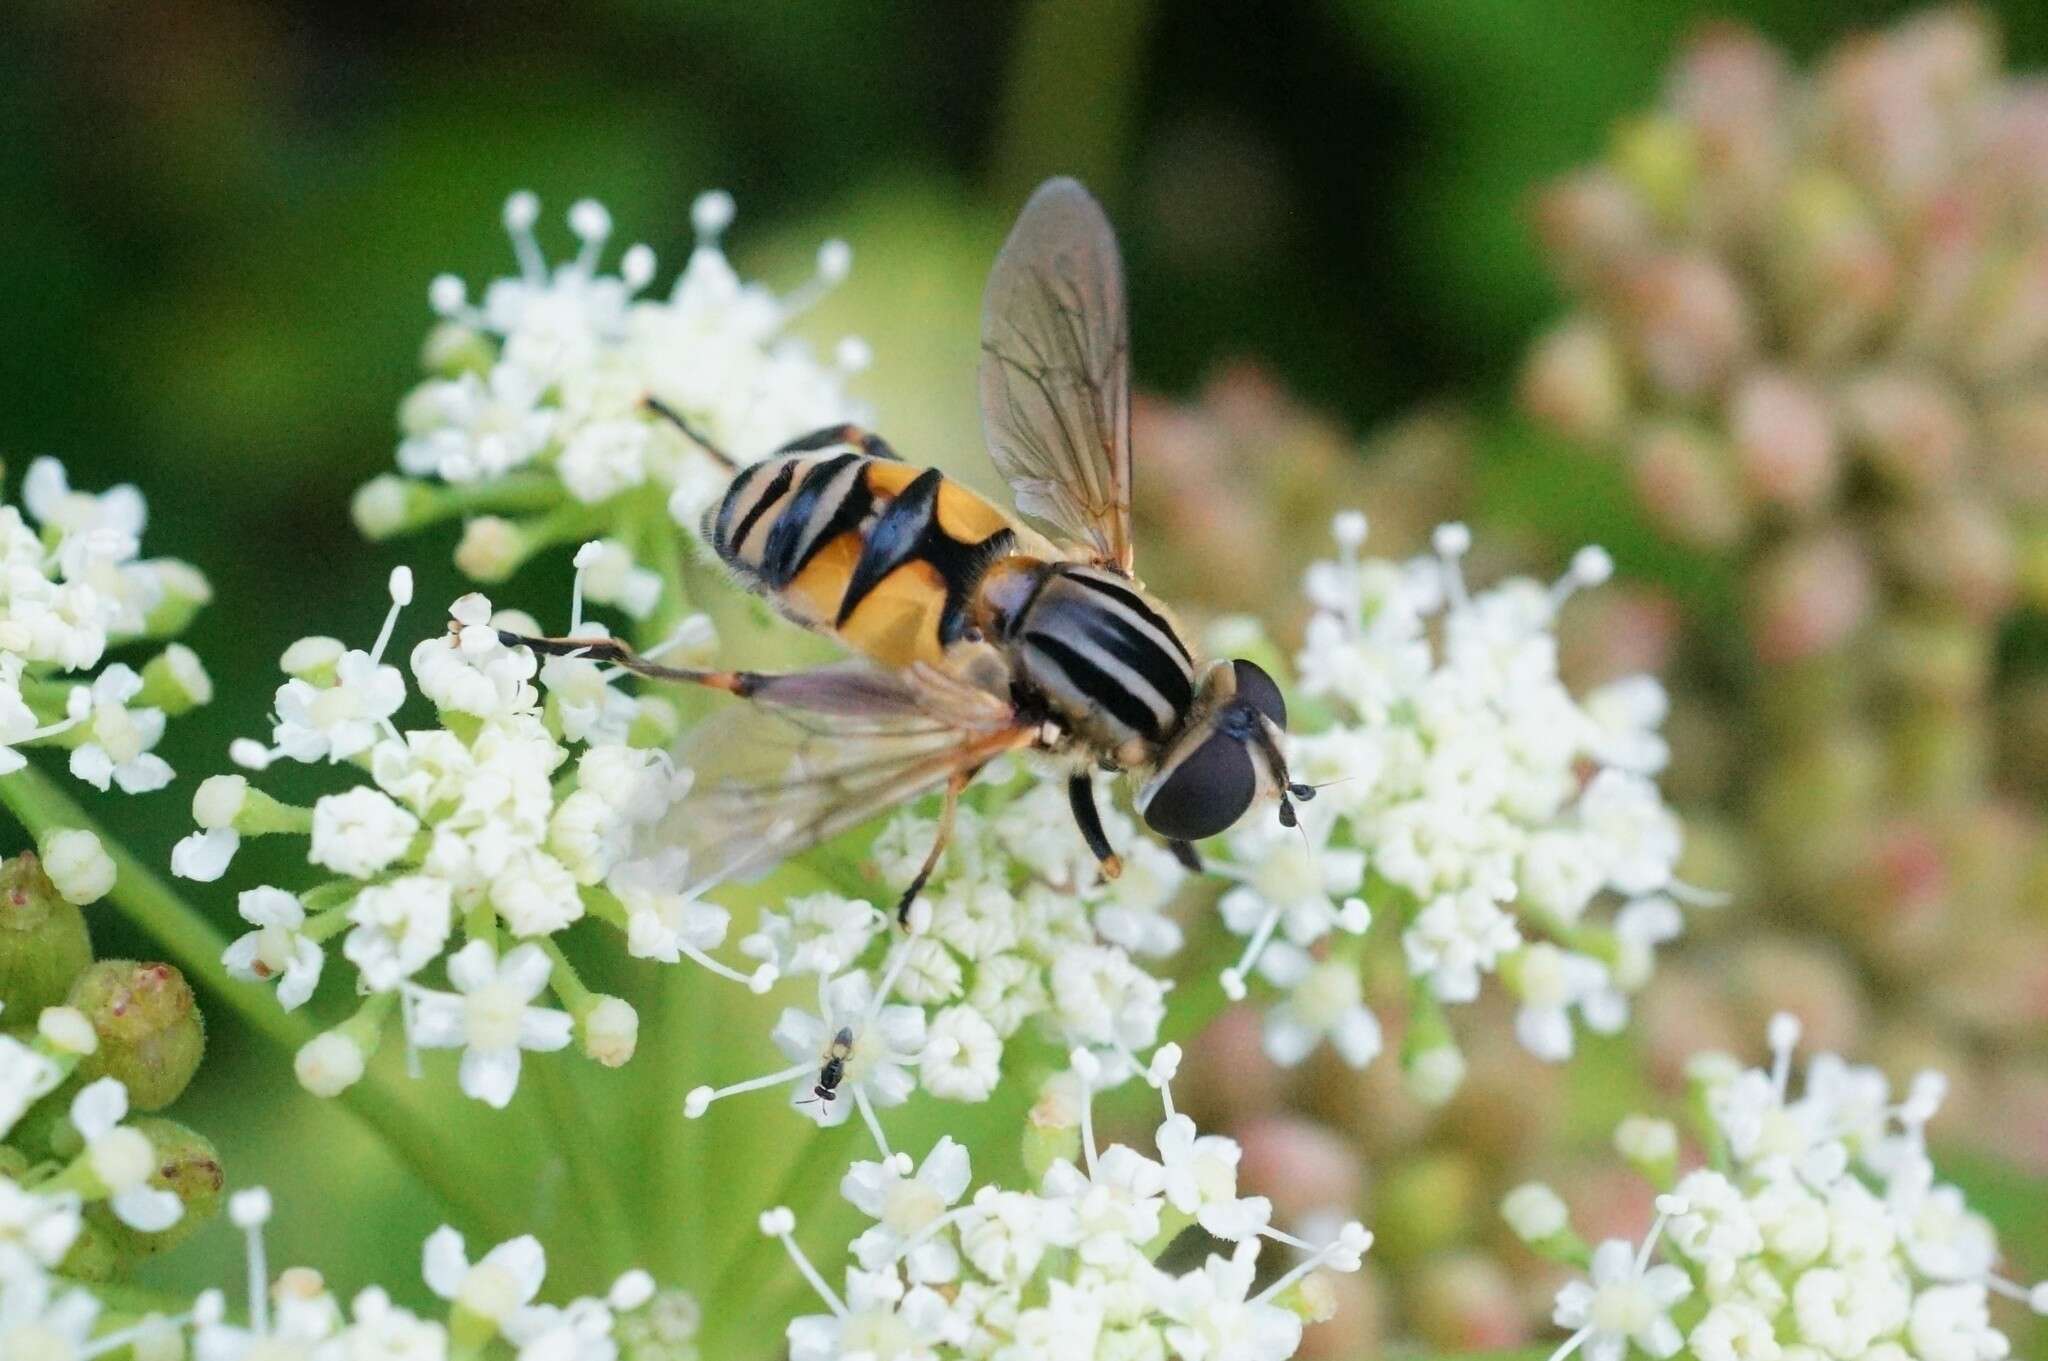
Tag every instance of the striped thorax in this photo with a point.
(1104, 657)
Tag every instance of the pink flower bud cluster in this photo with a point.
(1810, 324)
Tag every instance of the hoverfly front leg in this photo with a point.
(1081, 796)
(690, 432)
(869, 443)
(955, 782)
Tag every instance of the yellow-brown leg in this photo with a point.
(955, 782)
(618, 654)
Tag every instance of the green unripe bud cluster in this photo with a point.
(43, 942)
(151, 1034)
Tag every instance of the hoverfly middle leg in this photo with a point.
(955, 782)
(1081, 796)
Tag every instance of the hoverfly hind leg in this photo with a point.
(611, 650)
(954, 784)
(1081, 796)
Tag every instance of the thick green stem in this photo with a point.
(597, 1176)
(195, 945)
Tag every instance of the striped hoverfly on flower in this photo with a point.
(975, 634)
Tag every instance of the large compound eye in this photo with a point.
(1257, 689)
(1205, 792)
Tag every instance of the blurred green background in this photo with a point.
(220, 217)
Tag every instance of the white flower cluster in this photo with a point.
(1015, 931)
(1820, 1232)
(549, 373)
(294, 1317)
(72, 586)
(1483, 807)
(42, 1208)
(1065, 1272)
(515, 815)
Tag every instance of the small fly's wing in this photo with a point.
(821, 752)
(1056, 371)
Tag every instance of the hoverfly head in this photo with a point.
(1224, 759)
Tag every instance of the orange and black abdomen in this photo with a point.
(883, 555)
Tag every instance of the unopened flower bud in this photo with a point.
(1302, 1167)
(1687, 484)
(1651, 1145)
(1464, 1303)
(1835, 275)
(1959, 551)
(185, 1165)
(1535, 1213)
(312, 658)
(175, 681)
(1424, 1205)
(43, 941)
(183, 592)
(329, 1064)
(218, 801)
(389, 505)
(453, 349)
(491, 549)
(78, 866)
(1809, 596)
(1688, 320)
(1658, 157)
(610, 1030)
(1236, 1078)
(150, 1032)
(1784, 440)
(1589, 222)
(1434, 1073)
(1575, 382)
(1052, 1129)
(66, 1030)
(1913, 430)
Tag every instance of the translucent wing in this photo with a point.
(818, 754)
(1056, 373)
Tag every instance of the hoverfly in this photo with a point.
(977, 634)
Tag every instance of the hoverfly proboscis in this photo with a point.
(976, 634)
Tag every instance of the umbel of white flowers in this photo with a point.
(1819, 1230)
(1065, 1270)
(471, 842)
(48, 1318)
(73, 586)
(1514, 828)
(539, 389)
